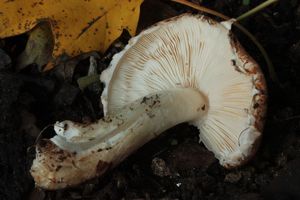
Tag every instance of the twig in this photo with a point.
(41, 132)
(201, 8)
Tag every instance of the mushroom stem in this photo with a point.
(90, 150)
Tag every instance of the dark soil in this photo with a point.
(174, 166)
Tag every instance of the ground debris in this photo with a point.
(5, 60)
(160, 168)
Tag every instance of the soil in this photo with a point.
(173, 166)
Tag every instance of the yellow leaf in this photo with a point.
(77, 26)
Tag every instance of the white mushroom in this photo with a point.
(185, 69)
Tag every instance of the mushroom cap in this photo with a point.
(194, 51)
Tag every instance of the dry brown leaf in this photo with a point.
(77, 26)
(38, 49)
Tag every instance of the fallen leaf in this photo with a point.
(38, 48)
(5, 60)
(77, 26)
(64, 71)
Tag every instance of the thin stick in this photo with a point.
(38, 137)
(201, 8)
(41, 132)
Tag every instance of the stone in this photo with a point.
(233, 177)
(160, 168)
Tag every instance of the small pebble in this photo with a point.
(233, 177)
(281, 160)
(160, 168)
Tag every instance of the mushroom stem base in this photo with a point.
(90, 150)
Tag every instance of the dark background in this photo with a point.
(174, 166)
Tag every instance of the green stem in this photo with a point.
(246, 2)
(256, 9)
(85, 81)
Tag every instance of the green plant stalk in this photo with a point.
(246, 2)
(256, 9)
(268, 61)
(85, 81)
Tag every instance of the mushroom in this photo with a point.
(186, 69)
